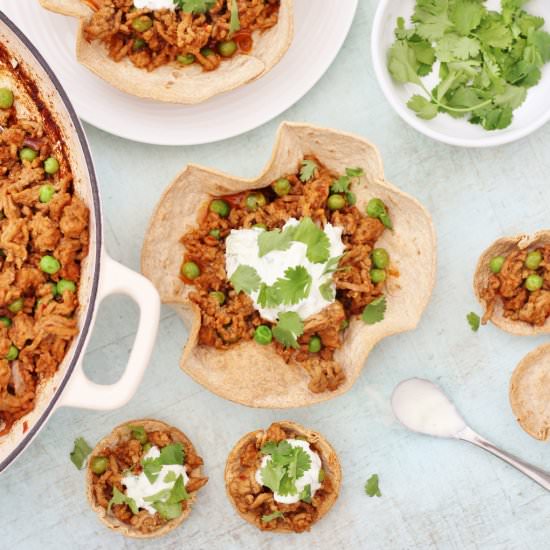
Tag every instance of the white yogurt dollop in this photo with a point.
(139, 487)
(422, 406)
(310, 477)
(155, 4)
(242, 249)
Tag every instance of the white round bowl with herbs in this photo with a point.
(507, 57)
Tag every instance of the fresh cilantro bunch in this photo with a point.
(287, 465)
(487, 59)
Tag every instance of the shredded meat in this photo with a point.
(36, 324)
(124, 458)
(509, 287)
(249, 496)
(152, 38)
(224, 325)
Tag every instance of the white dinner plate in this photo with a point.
(320, 29)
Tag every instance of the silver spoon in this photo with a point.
(421, 406)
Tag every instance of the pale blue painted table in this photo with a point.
(436, 494)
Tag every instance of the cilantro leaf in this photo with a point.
(169, 477)
(288, 329)
(168, 510)
(245, 279)
(178, 492)
(432, 18)
(274, 240)
(375, 311)
(332, 265)
(355, 172)
(270, 517)
(316, 240)
(494, 32)
(138, 432)
(195, 6)
(295, 286)
(372, 488)
(422, 107)
(268, 296)
(305, 495)
(453, 47)
(172, 454)
(308, 169)
(121, 498)
(271, 475)
(341, 185)
(299, 463)
(327, 292)
(80, 452)
(234, 22)
(473, 320)
(151, 468)
(402, 63)
(466, 15)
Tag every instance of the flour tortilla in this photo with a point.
(173, 84)
(118, 434)
(529, 391)
(256, 375)
(503, 247)
(328, 455)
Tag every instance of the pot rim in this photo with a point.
(87, 319)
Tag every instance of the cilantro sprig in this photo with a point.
(488, 59)
(80, 452)
(195, 6)
(288, 329)
(375, 311)
(372, 487)
(287, 465)
(270, 517)
(308, 170)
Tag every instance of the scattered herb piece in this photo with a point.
(305, 495)
(121, 498)
(371, 486)
(488, 59)
(245, 279)
(327, 292)
(271, 517)
(288, 329)
(295, 286)
(234, 22)
(195, 6)
(316, 240)
(375, 311)
(473, 320)
(308, 169)
(274, 240)
(80, 452)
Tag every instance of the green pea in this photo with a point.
(255, 201)
(6, 98)
(17, 306)
(314, 344)
(227, 48)
(13, 353)
(207, 52)
(140, 434)
(344, 324)
(377, 275)
(263, 335)
(142, 23)
(218, 296)
(533, 283)
(190, 270)
(99, 464)
(6, 321)
(220, 207)
(48, 264)
(380, 258)
(138, 44)
(51, 165)
(186, 59)
(65, 286)
(216, 233)
(46, 193)
(533, 259)
(28, 154)
(260, 226)
(336, 202)
(376, 208)
(495, 265)
(281, 187)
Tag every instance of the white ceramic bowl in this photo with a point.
(529, 117)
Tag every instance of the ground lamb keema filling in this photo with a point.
(43, 240)
(521, 282)
(313, 209)
(202, 31)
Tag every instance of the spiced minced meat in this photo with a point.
(224, 325)
(43, 240)
(153, 38)
(251, 498)
(520, 281)
(125, 457)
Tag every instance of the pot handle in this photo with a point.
(81, 392)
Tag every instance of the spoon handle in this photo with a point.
(536, 474)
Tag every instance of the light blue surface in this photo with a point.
(436, 494)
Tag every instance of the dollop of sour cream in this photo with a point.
(139, 487)
(155, 4)
(242, 249)
(421, 406)
(310, 477)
